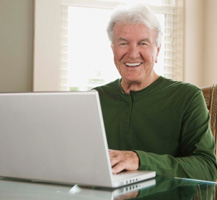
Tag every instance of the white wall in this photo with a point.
(201, 42)
(16, 45)
(194, 45)
(210, 43)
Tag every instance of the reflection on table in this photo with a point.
(158, 188)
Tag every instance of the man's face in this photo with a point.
(135, 51)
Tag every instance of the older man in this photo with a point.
(152, 122)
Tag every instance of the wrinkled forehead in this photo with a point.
(133, 31)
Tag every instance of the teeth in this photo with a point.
(133, 64)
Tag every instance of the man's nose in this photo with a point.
(133, 51)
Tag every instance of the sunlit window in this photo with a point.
(90, 56)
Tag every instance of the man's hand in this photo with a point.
(123, 160)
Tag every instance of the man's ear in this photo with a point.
(157, 53)
(112, 47)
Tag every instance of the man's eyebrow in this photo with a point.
(142, 40)
(145, 40)
(122, 39)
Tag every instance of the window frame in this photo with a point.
(46, 45)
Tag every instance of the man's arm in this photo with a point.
(196, 145)
(196, 167)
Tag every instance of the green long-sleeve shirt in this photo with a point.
(167, 124)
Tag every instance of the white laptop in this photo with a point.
(57, 137)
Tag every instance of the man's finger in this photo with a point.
(118, 168)
(123, 160)
(114, 157)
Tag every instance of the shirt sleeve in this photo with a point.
(196, 145)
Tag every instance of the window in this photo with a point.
(87, 56)
(83, 55)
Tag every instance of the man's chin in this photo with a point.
(132, 81)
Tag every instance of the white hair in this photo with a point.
(137, 14)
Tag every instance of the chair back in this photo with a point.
(210, 95)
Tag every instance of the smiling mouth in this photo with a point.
(133, 64)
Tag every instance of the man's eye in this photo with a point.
(123, 44)
(144, 44)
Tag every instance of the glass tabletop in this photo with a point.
(158, 188)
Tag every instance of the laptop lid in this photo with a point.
(54, 137)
